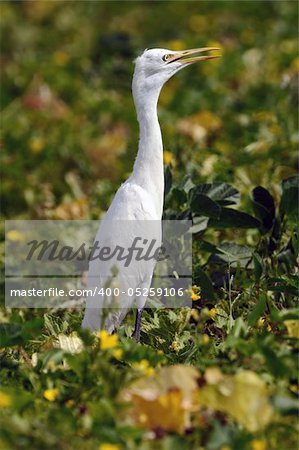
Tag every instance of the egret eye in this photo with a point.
(166, 57)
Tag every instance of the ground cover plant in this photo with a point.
(219, 376)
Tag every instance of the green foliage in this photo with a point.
(69, 138)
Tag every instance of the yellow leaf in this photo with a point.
(166, 411)
(205, 339)
(213, 375)
(60, 58)
(165, 400)
(293, 328)
(70, 403)
(36, 145)
(5, 400)
(259, 444)
(107, 446)
(243, 396)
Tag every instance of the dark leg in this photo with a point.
(136, 334)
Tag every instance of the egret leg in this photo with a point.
(136, 334)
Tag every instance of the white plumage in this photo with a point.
(140, 198)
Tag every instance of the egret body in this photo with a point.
(140, 198)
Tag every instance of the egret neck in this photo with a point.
(148, 169)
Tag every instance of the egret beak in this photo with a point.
(183, 56)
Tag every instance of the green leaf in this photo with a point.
(259, 310)
(15, 334)
(264, 207)
(284, 314)
(179, 195)
(199, 224)
(230, 218)
(258, 266)
(167, 180)
(203, 280)
(222, 193)
(289, 204)
(234, 254)
(10, 334)
(286, 405)
(284, 285)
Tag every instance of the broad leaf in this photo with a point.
(203, 205)
(259, 310)
(199, 224)
(222, 193)
(233, 254)
(264, 207)
(290, 197)
(203, 280)
(230, 218)
(167, 180)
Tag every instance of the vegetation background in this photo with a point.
(224, 374)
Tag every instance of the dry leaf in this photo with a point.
(244, 396)
(164, 400)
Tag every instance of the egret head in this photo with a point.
(155, 66)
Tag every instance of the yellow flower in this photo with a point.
(36, 144)
(195, 294)
(51, 394)
(144, 367)
(107, 340)
(167, 157)
(14, 235)
(160, 352)
(213, 313)
(5, 400)
(60, 58)
(258, 444)
(118, 353)
(293, 388)
(107, 446)
(261, 322)
(205, 339)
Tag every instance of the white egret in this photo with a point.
(140, 198)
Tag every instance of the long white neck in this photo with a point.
(148, 169)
